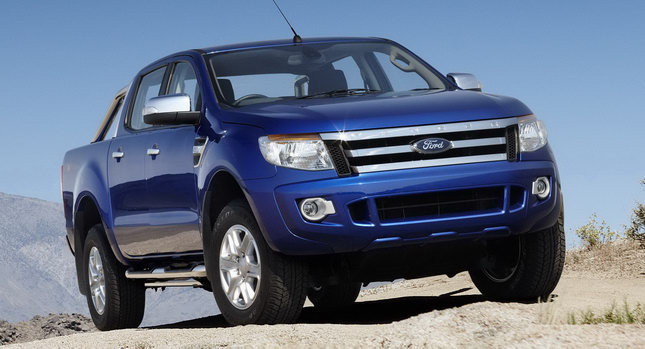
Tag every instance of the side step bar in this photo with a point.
(169, 277)
(168, 274)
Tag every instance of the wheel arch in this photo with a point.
(222, 188)
(87, 214)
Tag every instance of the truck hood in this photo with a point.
(374, 111)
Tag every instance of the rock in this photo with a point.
(41, 327)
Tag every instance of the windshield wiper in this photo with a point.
(427, 89)
(347, 91)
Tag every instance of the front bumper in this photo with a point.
(276, 207)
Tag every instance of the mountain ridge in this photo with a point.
(39, 277)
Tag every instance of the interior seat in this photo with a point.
(326, 80)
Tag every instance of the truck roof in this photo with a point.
(281, 42)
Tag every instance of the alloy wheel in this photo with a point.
(96, 280)
(239, 266)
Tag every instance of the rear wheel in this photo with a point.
(252, 284)
(114, 301)
(526, 267)
(330, 298)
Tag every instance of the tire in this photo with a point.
(336, 297)
(537, 269)
(278, 282)
(124, 299)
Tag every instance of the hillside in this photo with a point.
(35, 263)
(38, 272)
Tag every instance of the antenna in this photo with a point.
(296, 37)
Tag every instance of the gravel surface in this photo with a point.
(472, 325)
(431, 312)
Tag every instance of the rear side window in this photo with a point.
(114, 121)
(110, 122)
(148, 88)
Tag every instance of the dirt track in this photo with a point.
(434, 312)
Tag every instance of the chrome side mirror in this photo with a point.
(465, 81)
(170, 110)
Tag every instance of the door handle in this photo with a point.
(117, 154)
(153, 152)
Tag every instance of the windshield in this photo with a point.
(323, 70)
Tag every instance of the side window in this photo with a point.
(184, 81)
(114, 121)
(148, 88)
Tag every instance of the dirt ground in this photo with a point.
(429, 312)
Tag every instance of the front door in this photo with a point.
(173, 213)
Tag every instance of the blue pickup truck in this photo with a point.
(273, 171)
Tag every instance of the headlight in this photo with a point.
(301, 151)
(532, 133)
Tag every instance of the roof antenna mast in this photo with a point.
(296, 38)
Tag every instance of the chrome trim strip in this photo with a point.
(480, 142)
(174, 283)
(429, 163)
(162, 273)
(199, 150)
(408, 148)
(419, 130)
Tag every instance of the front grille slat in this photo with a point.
(439, 204)
(420, 130)
(391, 148)
(429, 163)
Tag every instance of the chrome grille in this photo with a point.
(390, 148)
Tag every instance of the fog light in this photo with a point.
(316, 209)
(541, 188)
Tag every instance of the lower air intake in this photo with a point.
(439, 204)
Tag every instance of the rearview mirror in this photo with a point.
(465, 81)
(170, 110)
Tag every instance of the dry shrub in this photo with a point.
(636, 229)
(618, 259)
(593, 234)
(625, 314)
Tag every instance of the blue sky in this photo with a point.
(579, 65)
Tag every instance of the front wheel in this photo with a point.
(251, 283)
(115, 302)
(526, 267)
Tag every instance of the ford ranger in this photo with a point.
(273, 171)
